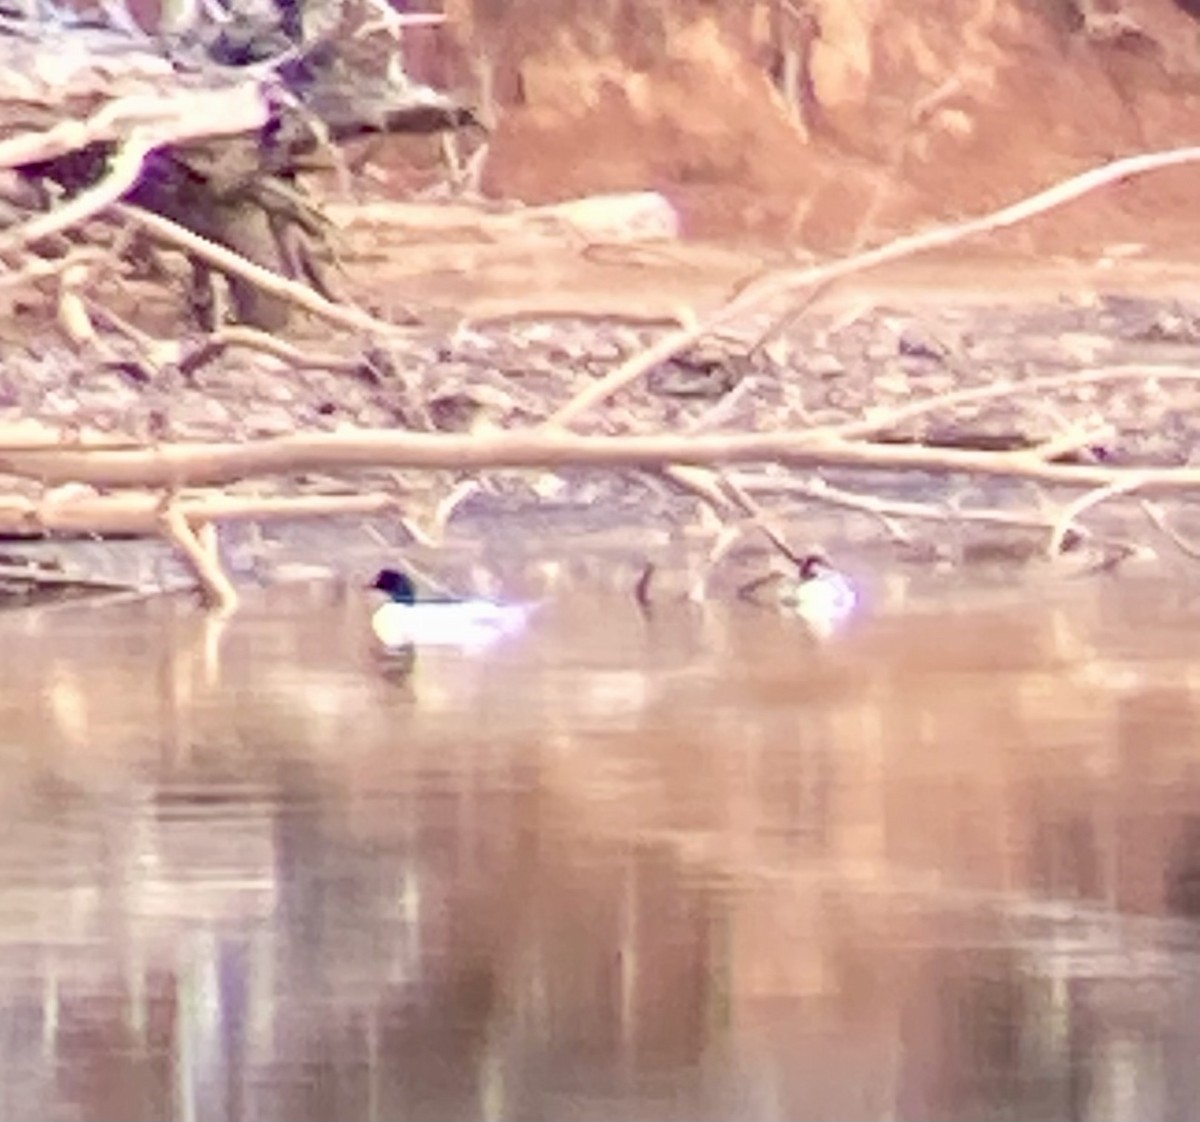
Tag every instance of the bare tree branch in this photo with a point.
(1066, 521)
(250, 338)
(124, 173)
(819, 491)
(196, 464)
(205, 559)
(170, 115)
(140, 512)
(41, 267)
(760, 293)
(1159, 520)
(269, 281)
(891, 417)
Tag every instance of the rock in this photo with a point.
(825, 365)
(1084, 348)
(913, 345)
(893, 382)
(1170, 326)
(629, 217)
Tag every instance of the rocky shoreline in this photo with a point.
(828, 370)
(832, 367)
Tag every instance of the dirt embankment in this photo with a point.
(804, 121)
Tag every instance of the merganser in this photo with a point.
(405, 622)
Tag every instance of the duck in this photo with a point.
(821, 596)
(812, 590)
(403, 622)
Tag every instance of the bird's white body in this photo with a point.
(824, 601)
(465, 624)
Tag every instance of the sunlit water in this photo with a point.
(683, 865)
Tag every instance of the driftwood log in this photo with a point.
(211, 133)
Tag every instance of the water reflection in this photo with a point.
(688, 865)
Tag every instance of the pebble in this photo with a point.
(825, 365)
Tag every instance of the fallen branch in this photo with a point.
(689, 459)
(892, 417)
(269, 281)
(125, 171)
(186, 464)
(35, 436)
(42, 267)
(1159, 520)
(758, 293)
(1065, 523)
(140, 512)
(819, 491)
(250, 338)
(170, 115)
(202, 552)
(31, 574)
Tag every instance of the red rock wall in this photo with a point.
(904, 113)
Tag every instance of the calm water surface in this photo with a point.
(685, 865)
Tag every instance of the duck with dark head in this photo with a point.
(404, 620)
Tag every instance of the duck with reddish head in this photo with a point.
(821, 596)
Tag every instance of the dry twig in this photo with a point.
(1066, 521)
(1159, 520)
(250, 338)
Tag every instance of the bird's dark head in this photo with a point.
(398, 586)
(812, 566)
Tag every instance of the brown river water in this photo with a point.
(679, 865)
